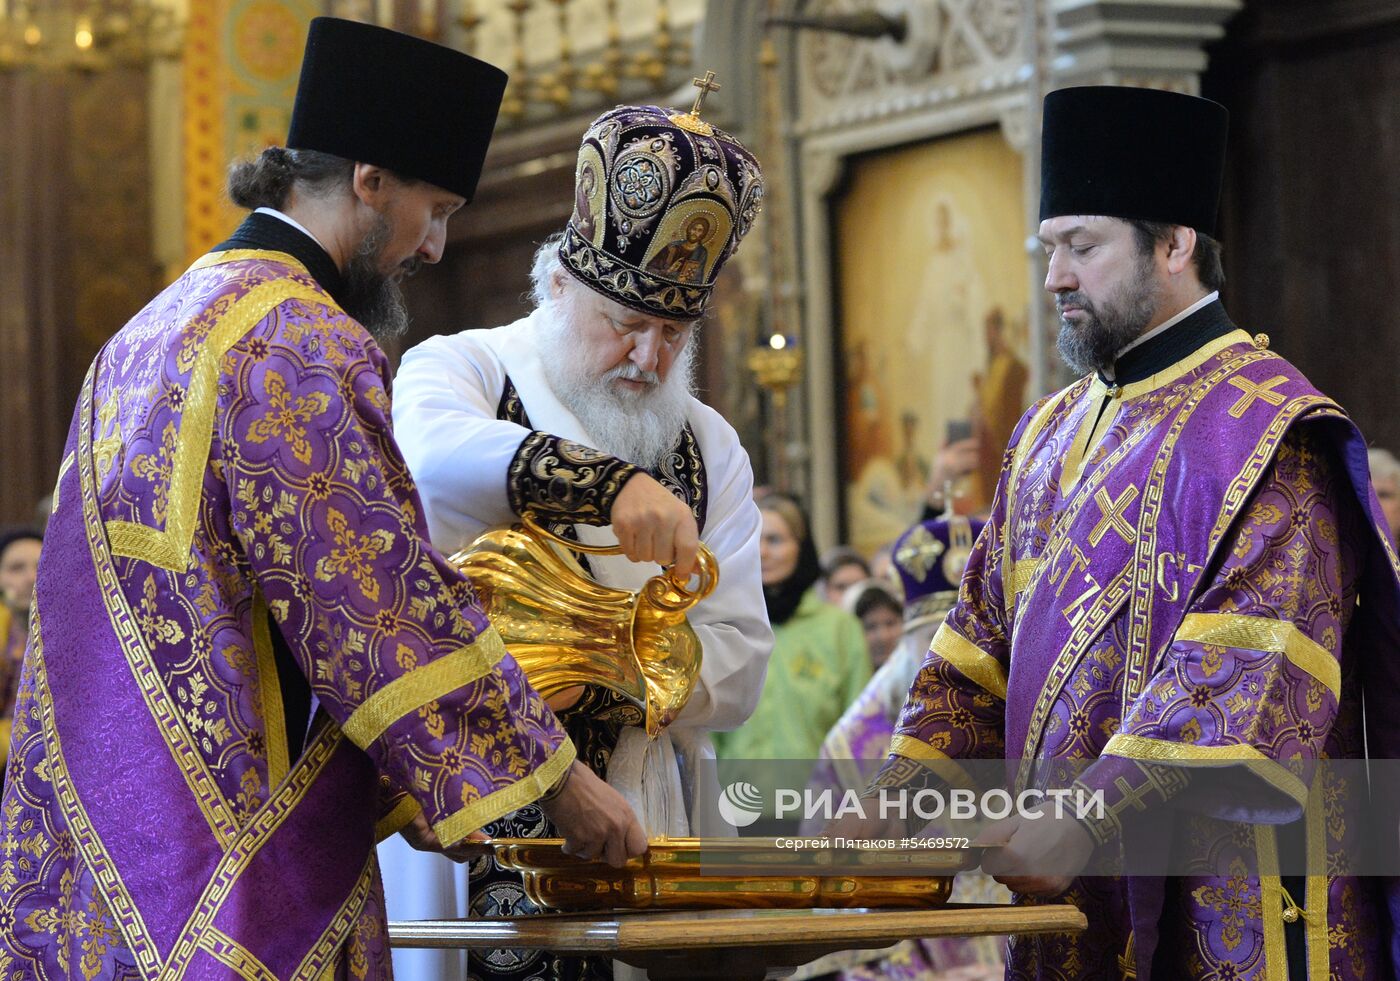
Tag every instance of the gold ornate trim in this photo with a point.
(321, 960)
(270, 693)
(1315, 823)
(169, 548)
(397, 819)
(1013, 479)
(279, 806)
(1022, 572)
(90, 846)
(422, 685)
(1271, 903)
(1186, 365)
(1094, 423)
(1119, 591)
(134, 648)
(931, 759)
(1138, 658)
(235, 956)
(1267, 636)
(979, 666)
(63, 469)
(1134, 747)
(484, 810)
(211, 259)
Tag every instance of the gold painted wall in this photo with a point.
(241, 62)
(932, 316)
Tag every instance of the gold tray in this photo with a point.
(734, 873)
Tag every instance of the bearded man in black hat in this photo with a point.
(1184, 568)
(247, 663)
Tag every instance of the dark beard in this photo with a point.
(1101, 333)
(371, 297)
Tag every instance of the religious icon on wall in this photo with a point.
(932, 314)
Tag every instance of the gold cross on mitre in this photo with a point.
(706, 85)
(691, 120)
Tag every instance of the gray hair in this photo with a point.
(546, 263)
(1383, 465)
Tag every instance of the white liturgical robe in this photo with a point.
(445, 404)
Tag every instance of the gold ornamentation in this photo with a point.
(322, 958)
(1267, 636)
(481, 811)
(169, 547)
(397, 819)
(1261, 342)
(564, 629)
(1127, 961)
(134, 646)
(1270, 900)
(919, 553)
(109, 442)
(354, 553)
(1112, 515)
(410, 691)
(286, 420)
(729, 873)
(931, 759)
(691, 121)
(1262, 392)
(269, 693)
(1118, 590)
(1165, 751)
(136, 935)
(233, 954)
(980, 667)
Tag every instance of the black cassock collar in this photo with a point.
(1177, 342)
(264, 231)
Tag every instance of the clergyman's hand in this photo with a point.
(419, 833)
(1037, 856)
(653, 525)
(595, 820)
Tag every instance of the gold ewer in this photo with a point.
(564, 629)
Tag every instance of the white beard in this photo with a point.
(643, 427)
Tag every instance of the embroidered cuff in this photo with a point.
(481, 811)
(552, 477)
(1127, 787)
(979, 667)
(433, 680)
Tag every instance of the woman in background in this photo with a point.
(819, 662)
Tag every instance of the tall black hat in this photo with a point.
(1133, 153)
(377, 96)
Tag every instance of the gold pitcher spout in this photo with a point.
(564, 629)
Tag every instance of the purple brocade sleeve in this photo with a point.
(388, 634)
(1253, 672)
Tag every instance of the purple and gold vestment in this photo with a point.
(1205, 583)
(230, 486)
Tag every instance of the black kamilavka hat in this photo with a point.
(376, 96)
(1133, 153)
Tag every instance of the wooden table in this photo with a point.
(737, 945)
